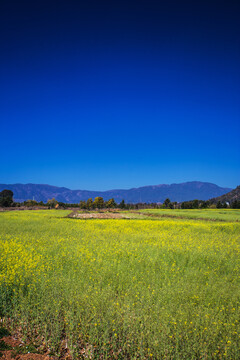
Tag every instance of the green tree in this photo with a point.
(204, 204)
(122, 204)
(52, 203)
(235, 204)
(89, 204)
(6, 198)
(183, 205)
(30, 203)
(167, 203)
(98, 203)
(111, 203)
(82, 204)
(174, 204)
(195, 204)
(61, 204)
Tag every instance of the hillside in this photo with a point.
(155, 193)
(233, 195)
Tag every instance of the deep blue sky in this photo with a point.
(118, 94)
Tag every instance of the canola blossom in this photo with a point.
(115, 288)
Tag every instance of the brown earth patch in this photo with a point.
(9, 355)
(13, 348)
(97, 215)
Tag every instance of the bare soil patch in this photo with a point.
(13, 348)
(97, 215)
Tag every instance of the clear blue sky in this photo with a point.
(117, 94)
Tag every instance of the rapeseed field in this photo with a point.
(122, 289)
(201, 214)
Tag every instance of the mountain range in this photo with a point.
(153, 193)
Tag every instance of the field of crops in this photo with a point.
(202, 214)
(123, 289)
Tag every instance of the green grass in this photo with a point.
(123, 289)
(201, 214)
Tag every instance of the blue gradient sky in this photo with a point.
(100, 95)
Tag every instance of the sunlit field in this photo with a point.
(123, 289)
(202, 214)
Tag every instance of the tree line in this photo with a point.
(6, 200)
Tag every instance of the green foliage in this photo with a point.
(6, 198)
(61, 204)
(51, 203)
(89, 204)
(30, 203)
(83, 204)
(235, 204)
(221, 205)
(4, 332)
(111, 203)
(167, 203)
(204, 205)
(122, 205)
(98, 203)
(195, 204)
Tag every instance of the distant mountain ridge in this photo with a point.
(153, 193)
(230, 197)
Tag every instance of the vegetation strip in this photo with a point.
(124, 289)
(152, 214)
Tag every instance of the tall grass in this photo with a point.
(124, 289)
